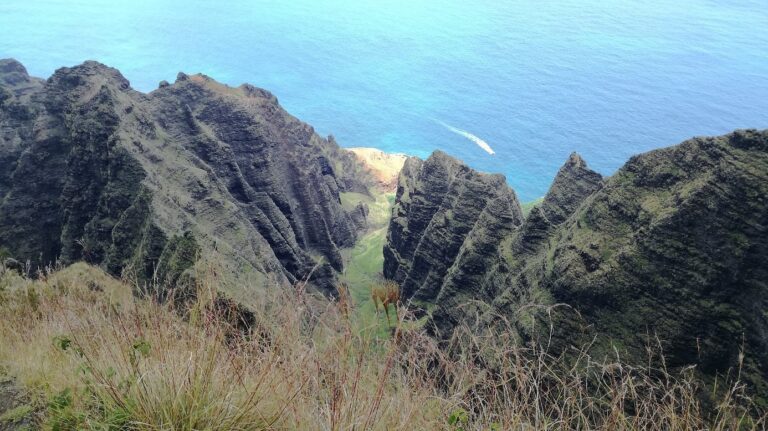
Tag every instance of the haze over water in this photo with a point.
(533, 80)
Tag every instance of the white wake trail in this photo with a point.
(480, 143)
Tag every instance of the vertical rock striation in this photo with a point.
(93, 170)
(573, 183)
(448, 221)
(671, 248)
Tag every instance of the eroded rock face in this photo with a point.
(674, 246)
(447, 223)
(573, 183)
(94, 170)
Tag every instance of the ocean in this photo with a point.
(509, 86)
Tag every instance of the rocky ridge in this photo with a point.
(146, 184)
(447, 223)
(671, 249)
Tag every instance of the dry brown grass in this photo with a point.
(98, 358)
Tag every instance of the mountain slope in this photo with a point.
(672, 246)
(675, 246)
(146, 183)
(448, 220)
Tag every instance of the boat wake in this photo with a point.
(480, 143)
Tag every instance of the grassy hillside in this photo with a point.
(92, 356)
(87, 354)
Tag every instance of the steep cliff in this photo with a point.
(573, 183)
(141, 183)
(447, 224)
(673, 247)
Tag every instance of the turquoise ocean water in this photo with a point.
(533, 79)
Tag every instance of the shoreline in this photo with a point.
(385, 167)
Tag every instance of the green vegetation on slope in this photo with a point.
(670, 251)
(98, 172)
(379, 205)
(362, 272)
(365, 260)
(528, 206)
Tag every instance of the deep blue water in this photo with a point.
(534, 79)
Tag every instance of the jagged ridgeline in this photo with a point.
(147, 183)
(671, 251)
